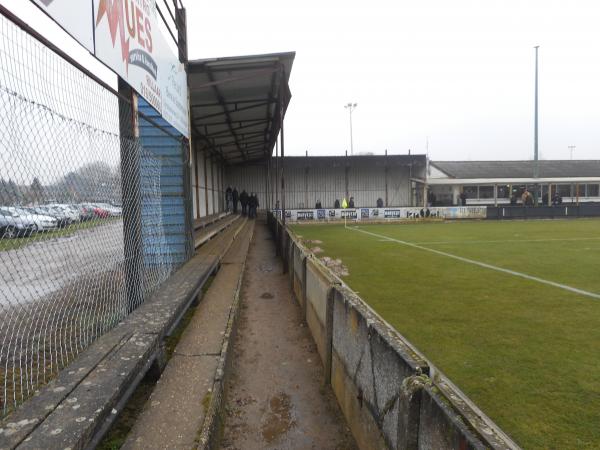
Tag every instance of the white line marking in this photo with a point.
(501, 241)
(485, 265)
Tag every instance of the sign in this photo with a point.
(129, 41)
(74, 16)
(387, 214)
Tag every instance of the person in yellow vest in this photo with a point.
(344, 203)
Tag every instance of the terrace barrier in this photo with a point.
(544, 212)
(390, 394)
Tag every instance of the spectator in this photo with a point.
(336, 204)
(318, 205)
(513, 200)
(236, 198)
(252, 205)
(463, 198)
(545, 199)
(351, 204)
(379, 203)
(229, 199)
(244, 202)
(527, 198)
(556, 200)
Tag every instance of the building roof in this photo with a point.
(234, 104)
(518, 169)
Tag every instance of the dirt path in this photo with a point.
(276, 399)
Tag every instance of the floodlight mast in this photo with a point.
(536, 167)
(351, 107)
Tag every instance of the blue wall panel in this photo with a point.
(163, 219)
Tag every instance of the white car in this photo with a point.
(12, 225)
(42, 222)
(68, 211)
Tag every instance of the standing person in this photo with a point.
(351, 204)
(525, 197)
(336, 204)
(463, 198)
(236, 198)
(244, 202)
(252, 206)
(229, 199)
(256, 204)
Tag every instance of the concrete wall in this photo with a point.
(390, 395)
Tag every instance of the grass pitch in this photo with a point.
(524, 346)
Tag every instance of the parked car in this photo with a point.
(86, 212)
(68, 214)
(113, 211)
(62, 218)
(41, 221)
(12, 225)
(98, 212)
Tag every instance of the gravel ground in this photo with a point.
(41, 268)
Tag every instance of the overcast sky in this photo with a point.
(459, 73)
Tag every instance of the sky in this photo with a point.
(455, 78)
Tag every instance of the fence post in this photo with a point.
(131, 194)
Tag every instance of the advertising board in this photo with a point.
(129, 41)
(399, 213)
(75, 17)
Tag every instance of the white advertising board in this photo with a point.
(75, 17)
(366, 214)
(129, 41)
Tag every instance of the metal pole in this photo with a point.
(571, 148)
(351, 137)
(350, 107)
(536, 169)
(131, 196)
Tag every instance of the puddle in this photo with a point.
(265, 268)
(278, 419)
(266, 295)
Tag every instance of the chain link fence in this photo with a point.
(64, 276)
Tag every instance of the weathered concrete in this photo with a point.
(204, 234)
(369, 366)
(275, 398)
(299, 275)
(178, 406)
(391, 395)
(102, 378)
(318, 285)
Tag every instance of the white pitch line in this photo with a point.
(501, 241)
(485, 265)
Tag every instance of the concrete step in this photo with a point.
(175, 413)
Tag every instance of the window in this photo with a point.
(592, 190)
(486, 191)
(563, 190)
(504, 191)
(470, 191)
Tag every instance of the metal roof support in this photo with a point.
(225, 109)
(232, 102)
(245, 108)
(282, 139)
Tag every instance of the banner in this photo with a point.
(384, 214)
(129, 41)
(75, 17)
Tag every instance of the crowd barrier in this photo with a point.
(390, 395)
(543, 212)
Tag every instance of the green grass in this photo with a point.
(13, 244)
(527, 353)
